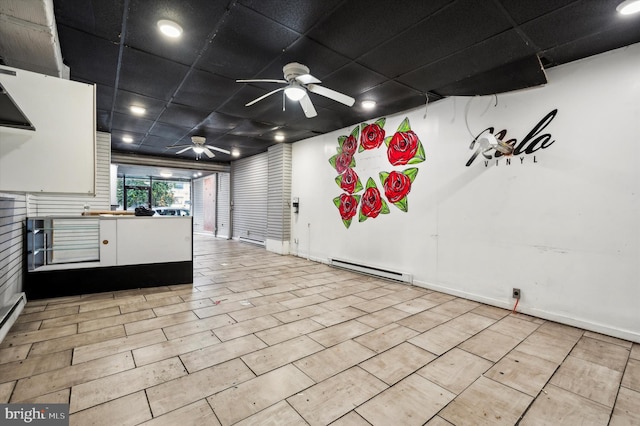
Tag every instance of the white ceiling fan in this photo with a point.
(198, 146)
(298, 82)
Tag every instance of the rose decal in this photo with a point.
(397, 186)
(372, 135)
(347, 206)
(403, 147)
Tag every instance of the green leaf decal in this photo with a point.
(403, 205)
(420, 155)
(385, 207)
(352, 164)
(332, 161)
(347, 223)
(404, 126)
(381, 122)
(411, 173)
(336, 201)
(383, 177)
(371, 183)
(355, 132)
(387, 140)
(339, 180)
(341, 140)
(361, 217)
(358, 188)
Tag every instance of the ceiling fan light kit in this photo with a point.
(298, 82)
(629, 7)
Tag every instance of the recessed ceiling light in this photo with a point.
(368, 104)
(138, 110)
(166, 174)
(169, 28)
(127, 139)
(279, 137)
(235, 153)
(195, 175)
(628, 7)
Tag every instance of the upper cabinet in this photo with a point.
(59, 156)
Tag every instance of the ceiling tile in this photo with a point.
(127, 123)
(89, 58)
(98, 17)
(183, 116)
(204, 90)
(299, 15)
(125, 99)
(523, 11)
(152, 75)
(170, 132)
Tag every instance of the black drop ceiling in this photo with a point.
(392, 52)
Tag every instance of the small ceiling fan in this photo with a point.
(298, 82)
(198, 146)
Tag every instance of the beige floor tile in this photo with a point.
(424, 321)
(627, 409)
(57, 397)
(115, 320)
(287, 331)
(89, 305)
(121, 344)
(415, 306)
(76, 318)
(222, 294)
(330, 399)
(25, 326)
(185, 390)
(300, 302)
(159, 322)
(62, 378)
(486, 402)
(588, 379)
(81, 339)
(129, 410)
(244, 400)
(624, 343)
(243, 328)
(631, 378)
(329, 362)
(454, 308)
(225, 351)
(336, 317)
(439, 298)
(557, 329)
(34, 365)
(104, 389)
(276, 415)
(47, 314)
(490, 344)
(300, 313)
(29, 309)
(338, 333)
(144, 305)
(274, 298)
(351, 419)
(193, 327)
(440, 339)
(386, 337)
(455, 370)
(374, 305)
(635, 351)
(5, 391)
(397, 363)
(437, 421)
(514, 327)
(198, 413)
(547, 346)
(523, 372)
(310, 290)
(182, 307)
(557, 406)
(171, 348)
(412, 401)
(492, 312)
(603, 353)
(258, 311)
(341, 302)
(25, 337)
(14, 353)
(383, 317)
(470, 323)
(283, 353)
(224, 307)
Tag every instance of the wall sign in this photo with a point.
(534, 140)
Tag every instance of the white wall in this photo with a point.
(560, 223)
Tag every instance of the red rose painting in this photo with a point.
(404, 147)
(349, 181)
(372, 203)
(347, 206)
(349, 145)
(372, 135)
(397, 186)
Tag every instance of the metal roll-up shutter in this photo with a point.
(223, 213)
(13, 211)
(279, 216)
(197, 206)
(249, 187)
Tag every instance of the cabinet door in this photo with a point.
(108, 243)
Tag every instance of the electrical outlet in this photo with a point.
(515, 293)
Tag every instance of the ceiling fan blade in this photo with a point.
(178, 146)
(307, 79)
(184, 149)
(209, 153)
(307, 106)
(331, 94)
(215, 148)
(262, 80)
(264, 96)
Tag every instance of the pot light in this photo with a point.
(127, 139)
(137, 110)
(368, 104)
(169, 28)
(235, 153)
(198, 149)
(295, 93)
(279, 137)
(629, 7)
(166, 174)
(195, 175)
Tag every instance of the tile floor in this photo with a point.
(263, 339)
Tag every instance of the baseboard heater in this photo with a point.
(9, 313)
(250, 241)
(370, 270)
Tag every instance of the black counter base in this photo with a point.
(71, 282)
